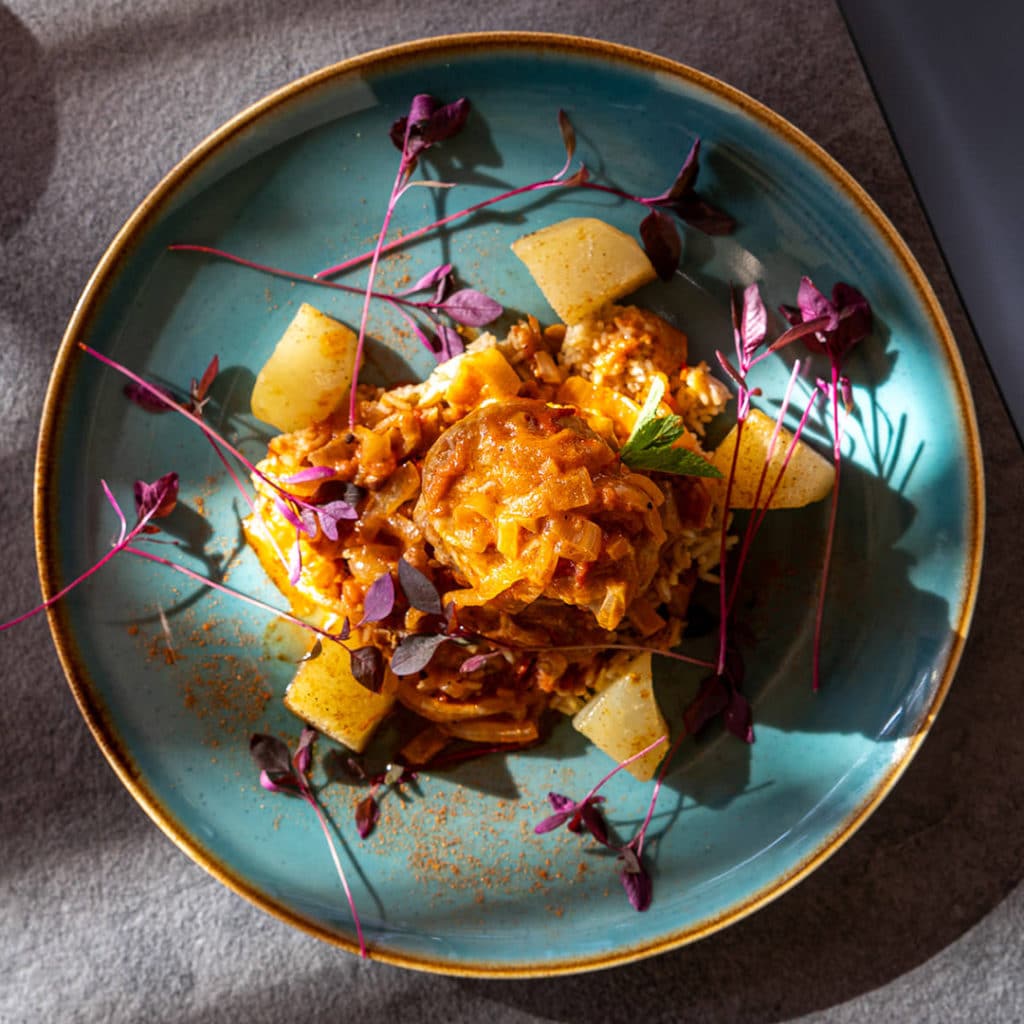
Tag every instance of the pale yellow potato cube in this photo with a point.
(582, 263)
(808, 476)
(325, 694)
(624, 717)
(308, 374)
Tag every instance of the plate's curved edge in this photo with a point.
(63, 371)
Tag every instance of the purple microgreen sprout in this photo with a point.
(156, 399)
(684, 201)
(749, 329)
(367, 664)
(311, 474)
(379, 601)
(558, 180)
(758, 510)
(281, 772)
(567, 812)
(477, 661)
(716, 695)
(367, 815)
(584, 814)
(297, 510)
(152, 501)
(657, 230)
(428, 122)
(414, 652)
(159, 395)
(368, 809)
(199, 390)
(830, 326)
(848, 320)
(468, 310)
(418, 589)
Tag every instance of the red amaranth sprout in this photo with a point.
(577, 815)
(466, 306)
(282, 772)
(658, 232)
(152, 501)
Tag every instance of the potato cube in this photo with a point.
(308, 373)
(582, 263)
(808, 476)
(624, 717)
(325, 694)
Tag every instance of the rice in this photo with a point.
(623, 349)
(700, 397)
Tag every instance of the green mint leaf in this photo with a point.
(652, 444)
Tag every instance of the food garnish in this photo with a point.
(284, 772)
(512, 527)
(655, 442)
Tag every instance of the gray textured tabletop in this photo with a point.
(918, 917)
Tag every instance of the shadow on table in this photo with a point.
(28, 123)
(920, 872)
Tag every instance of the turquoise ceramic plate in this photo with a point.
(455, 880)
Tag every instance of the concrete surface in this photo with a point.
(103, 919)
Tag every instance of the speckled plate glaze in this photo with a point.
(454, 880)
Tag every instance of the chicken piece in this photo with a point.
(523, 501)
